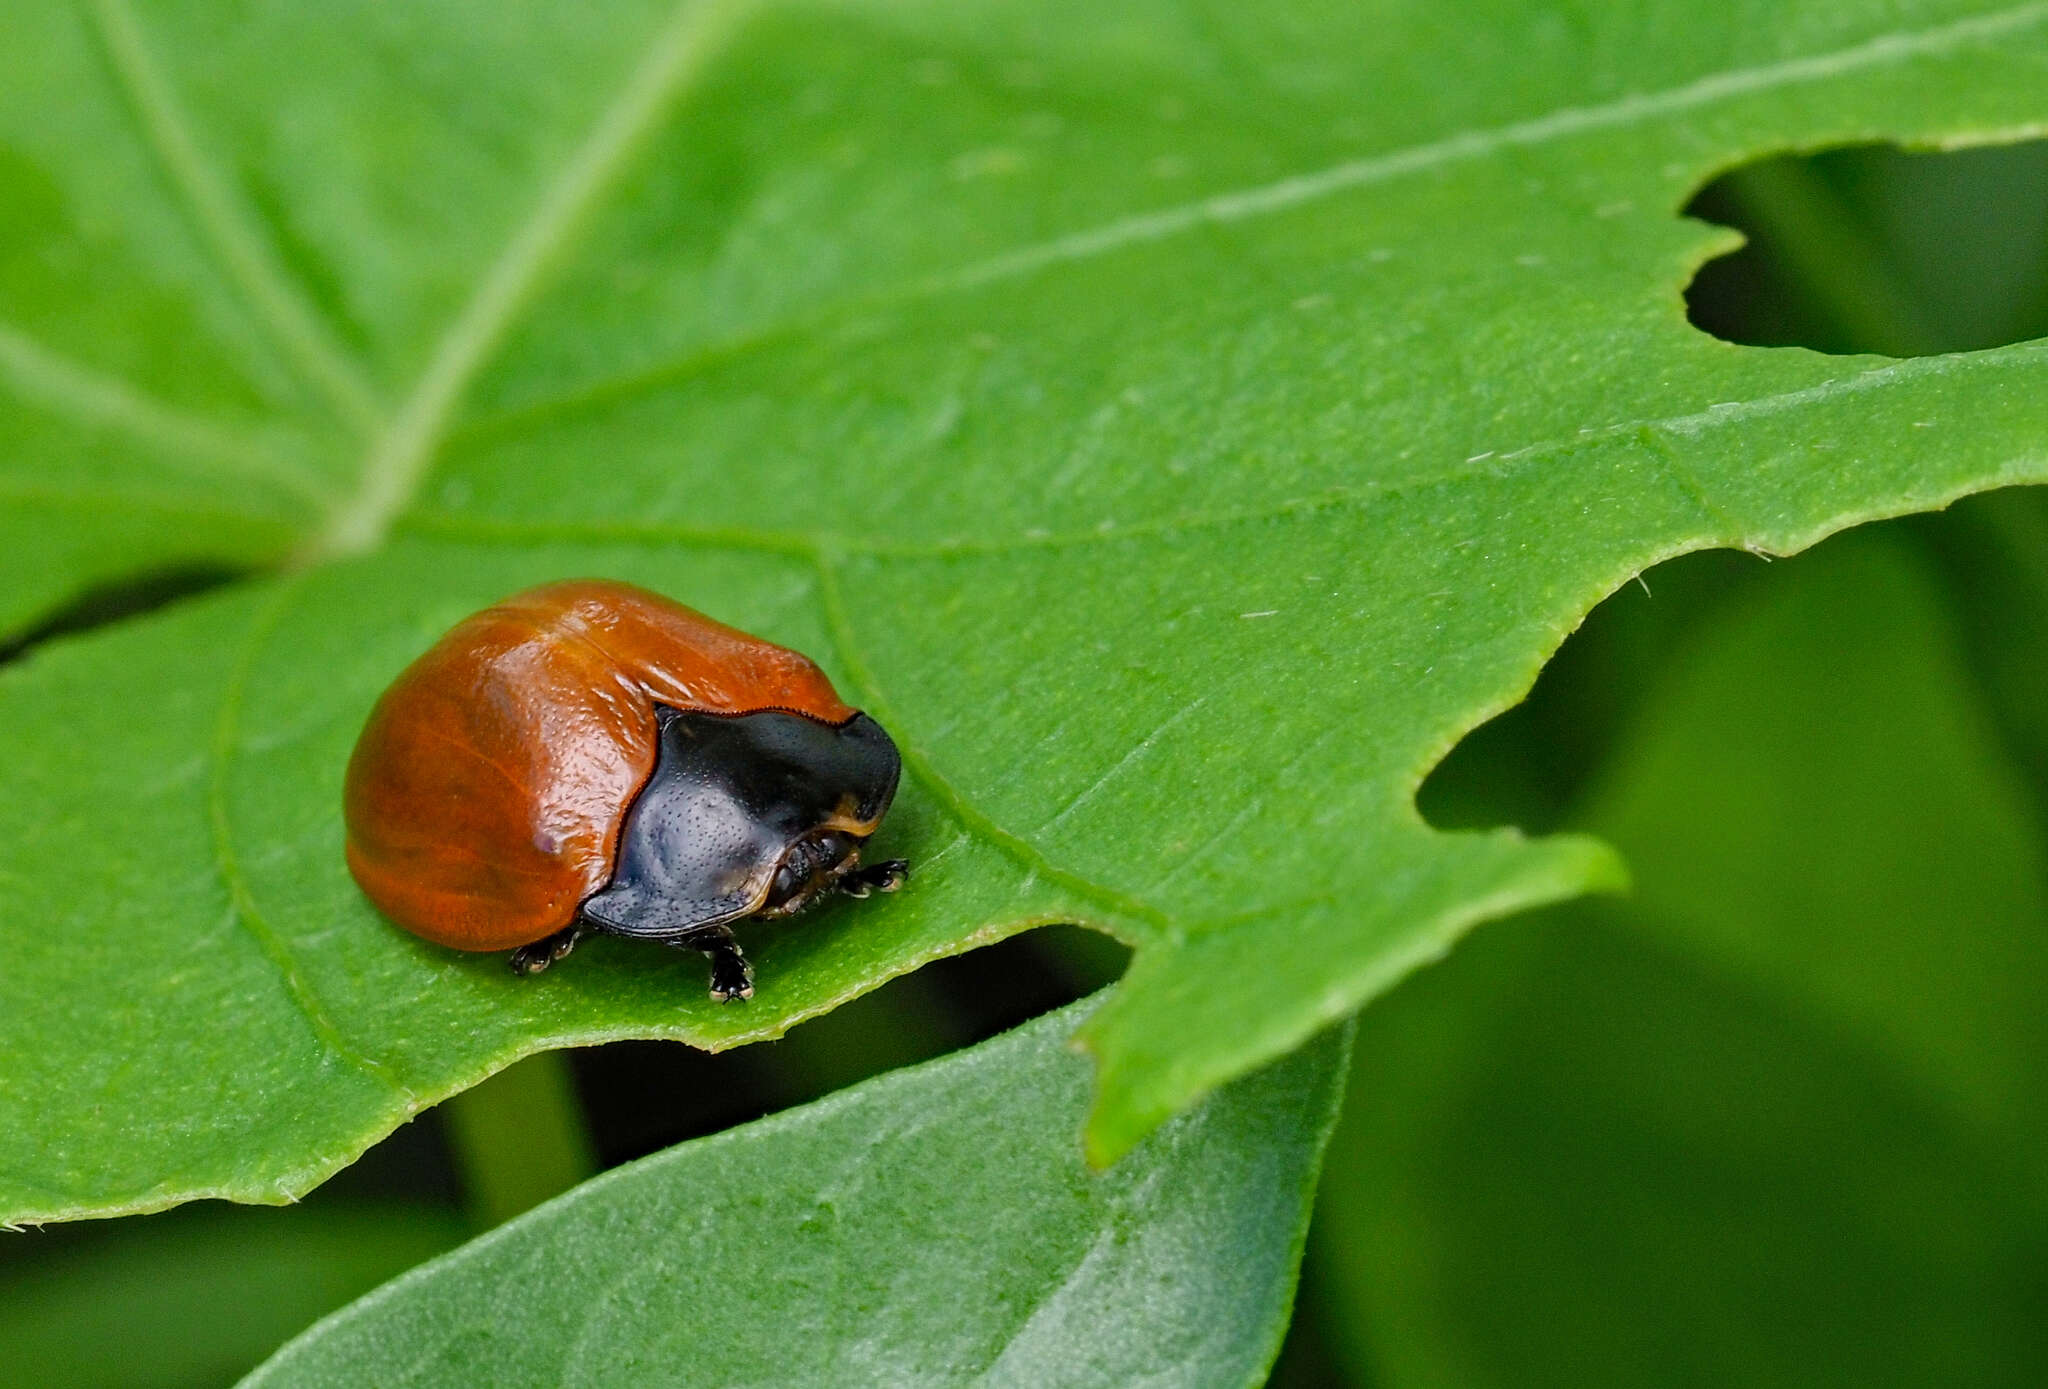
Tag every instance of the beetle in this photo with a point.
(588, 756)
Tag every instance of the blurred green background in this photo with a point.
(1777, 1118)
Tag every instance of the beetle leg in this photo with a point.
(731, 976)
(533, 958)
(886, 876)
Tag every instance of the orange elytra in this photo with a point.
(590, 756)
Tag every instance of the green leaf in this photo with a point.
(199, 1297)
(1777, 1119)
(932, 1226)
(1177, 425)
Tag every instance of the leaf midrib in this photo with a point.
(398, 458)
(91, 398)
(219, 219)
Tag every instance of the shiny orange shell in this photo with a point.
(485, 795)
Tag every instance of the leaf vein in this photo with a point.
(398, 458)
(221, 222)
(1633, 109)
(1137, 750)
(45, 378)
(489, 530)
(227, 862)
(1120, 906)
(1293, 191)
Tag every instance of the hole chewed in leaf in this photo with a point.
(1530, 765)
(1861, 249)
(1877, 249)
(1537, 764)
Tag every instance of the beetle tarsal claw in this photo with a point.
(535, 956)
(728, 991)
(876, 877)
(731, 976)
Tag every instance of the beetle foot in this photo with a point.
(731, 976)
(727, 992)
(533, 958)
(886, 876)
